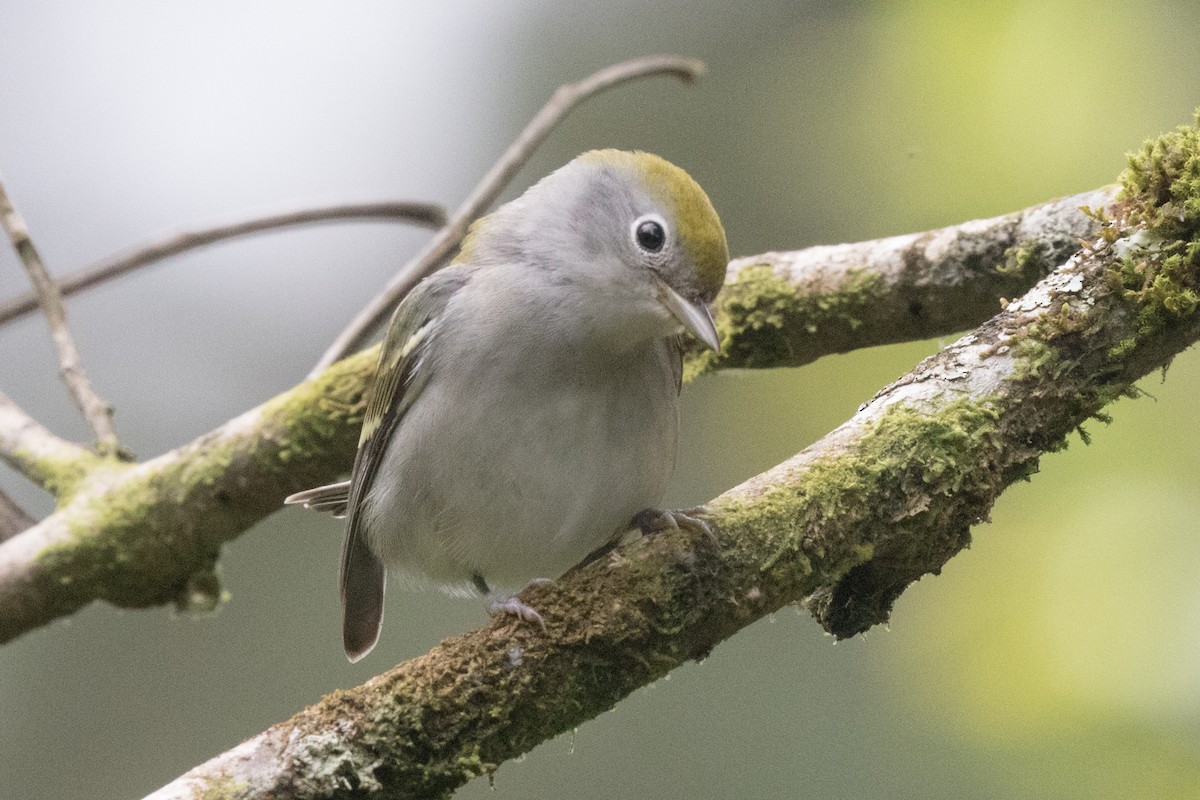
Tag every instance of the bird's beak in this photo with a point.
(694, 317)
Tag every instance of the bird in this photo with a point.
(525, 408)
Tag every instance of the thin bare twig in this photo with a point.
(97, 412)
(173, 244)
(13, 518)
(442, 246)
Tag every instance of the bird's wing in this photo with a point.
(401, 373)
(678, 347)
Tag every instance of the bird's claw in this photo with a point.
(652, 520)
(514, 607)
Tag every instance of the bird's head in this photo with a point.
(633, 227)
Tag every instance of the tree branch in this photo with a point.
(154, 250)
(756, 312)
(788, 309)
(97, 412)
(148, 534)
(442, 246)
(844, 526)
(52, 463)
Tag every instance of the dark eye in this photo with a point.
(650, 235)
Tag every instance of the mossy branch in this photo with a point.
(25, 445)
(787, 309)
(146, 534)
(844, 526)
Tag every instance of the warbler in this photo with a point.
(525, 407)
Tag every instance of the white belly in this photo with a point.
(520, 475)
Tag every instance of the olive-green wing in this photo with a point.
(401, 373)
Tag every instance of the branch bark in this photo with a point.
(844, 526)
(25, 445)
(146, 534)
(788, 309)
(173, 244)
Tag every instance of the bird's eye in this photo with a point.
(650, 234)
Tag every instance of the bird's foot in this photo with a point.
(510, 605)
(653, 520)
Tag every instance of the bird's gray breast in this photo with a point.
(529, 447)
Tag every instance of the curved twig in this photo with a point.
(97, 412)
(173, 244)
(439, 250)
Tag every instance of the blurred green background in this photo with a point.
(1057, 658)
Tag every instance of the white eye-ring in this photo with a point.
(649, 232)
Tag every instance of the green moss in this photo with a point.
(1152, 235)
(1160, 206)
(109, 550)
(60, 476)
(1163, 181)
(759, 314)
(203, 593)
(147, 534)
(911, 469)
(1110, 226)
(1151, 239)
(1123, 347)
(322, 410)
(1029, 261)
(221, 787)
(1037, 355)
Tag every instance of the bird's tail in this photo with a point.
(363, 579)
(333, 498)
